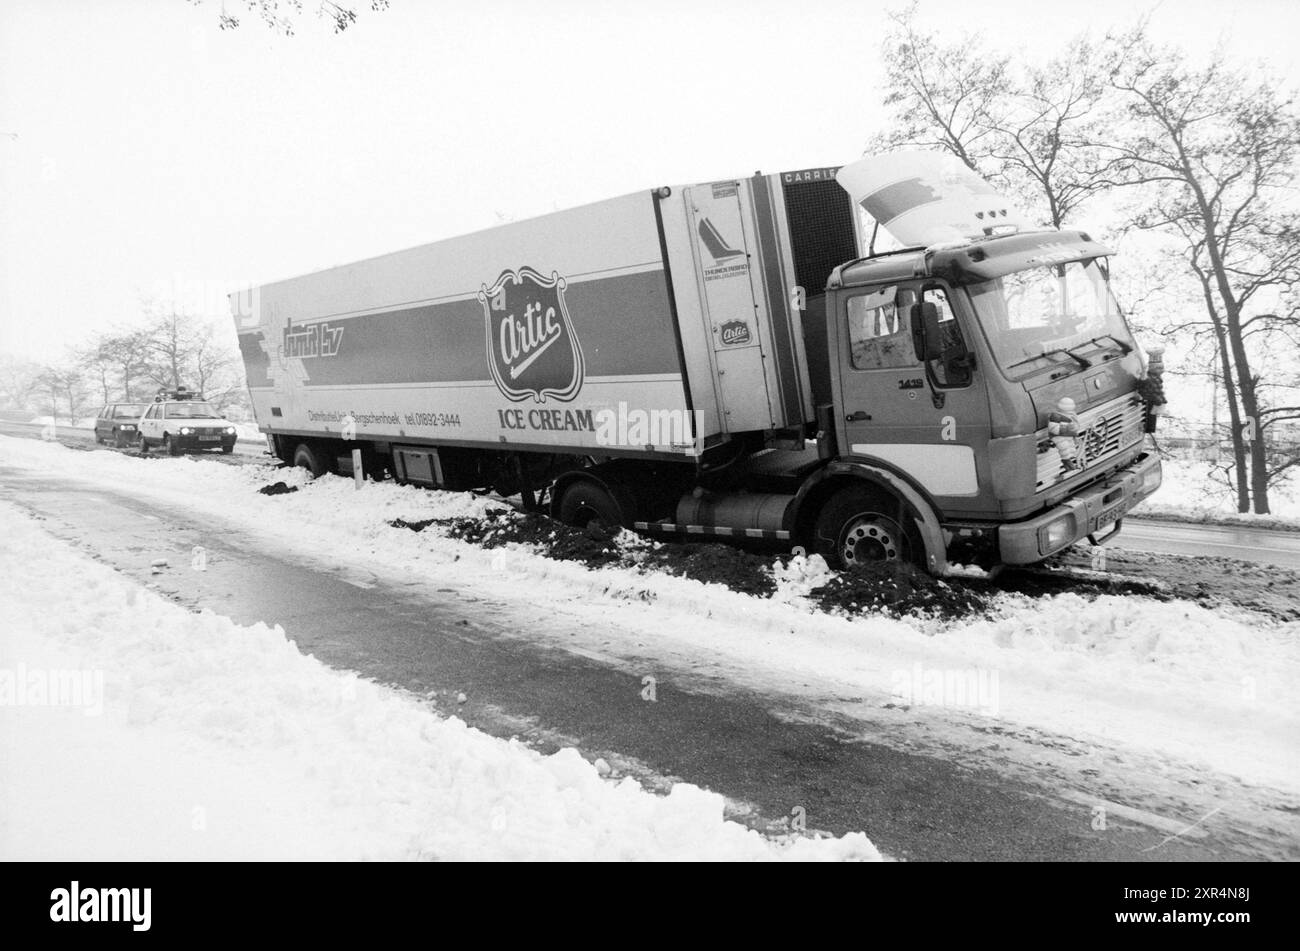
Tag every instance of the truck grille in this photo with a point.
(1107, 431)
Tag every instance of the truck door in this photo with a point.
(723, 251)
(929, 422)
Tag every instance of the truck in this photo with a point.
(736, 360)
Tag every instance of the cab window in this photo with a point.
(880, 333)
(952, 369)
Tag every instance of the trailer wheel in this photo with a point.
(307, 458)
(584, 502)
(858, 525)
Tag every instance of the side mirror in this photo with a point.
(927, 338)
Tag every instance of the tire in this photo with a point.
(858, 524)
(584, 502)
(169, 447)
(227, 450)
(304, 457)
(143, 445)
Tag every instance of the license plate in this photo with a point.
(209, 438)
(1110, 515)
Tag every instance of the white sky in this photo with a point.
(146, 152)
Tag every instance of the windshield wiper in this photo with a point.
(1124, 348)
(1073, 356)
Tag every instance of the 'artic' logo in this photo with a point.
(531, 347)
(735, 333)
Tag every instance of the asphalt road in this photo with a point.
(771, 754)
(1224, 541)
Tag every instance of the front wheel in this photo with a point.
(170, 447)
(142, 444)
(860, 526)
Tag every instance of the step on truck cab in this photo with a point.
(728, 360)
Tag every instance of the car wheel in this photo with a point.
(227, 450)
(142, 444)
(170, 447)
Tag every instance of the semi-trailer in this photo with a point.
(734, 359)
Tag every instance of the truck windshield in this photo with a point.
(1044, 316)
(191, 411)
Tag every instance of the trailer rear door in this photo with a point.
(725, 252)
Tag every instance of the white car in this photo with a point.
(182, 421)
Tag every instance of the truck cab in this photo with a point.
(945, 365)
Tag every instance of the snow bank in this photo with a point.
(192, 737)
(1193, 492)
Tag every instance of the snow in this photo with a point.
(1193, 491)
(198, 738)
(1200, 690)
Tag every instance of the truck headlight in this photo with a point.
(1056, 534)
(1151, 479)
(186, 431)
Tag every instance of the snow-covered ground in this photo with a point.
(133, 728)
(1193, 491)
(1172, 682)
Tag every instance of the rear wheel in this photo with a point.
(584, 502)
(859, 526)
(304, 457)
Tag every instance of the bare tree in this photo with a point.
(169, 344)
(19, 381)
(1025, 127)
(66, 384)
(1215, 154)
(942, 96)
(1040, 141)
